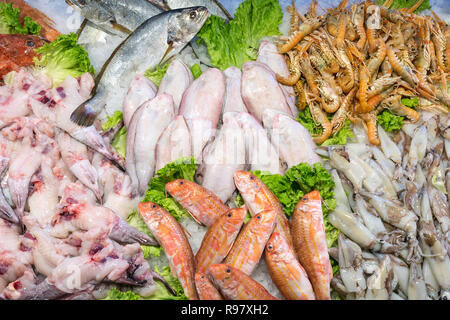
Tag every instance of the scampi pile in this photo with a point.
(64, 199)
(393, 212)
(352, 63)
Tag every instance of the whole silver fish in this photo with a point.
(157, 39)
(116, 17)
(213, 6)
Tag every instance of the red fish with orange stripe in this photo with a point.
(308, 233)
(249, 245)
(205, 288)
(286, 272)
(170, 234)
(219, 239)
(236, 285)
(258, 198)
(203, 205)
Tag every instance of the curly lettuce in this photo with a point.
(10, 21)
(156, 74)
(235, 42)
(340, 137)
(156, 192)
(61, 58)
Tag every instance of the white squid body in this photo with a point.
(141, 90)
(232, 101)
(269, 55)
(293, 141)
(174, 143)
(201, 107)
(176, 80)
(261, 154)
(261, 91)
(223, 157)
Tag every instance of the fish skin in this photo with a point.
(169, 233)
(16, 51)
(249, 244)
(204, 206)
(205, 288)
(176, 80)
(213, 6)
(110, 15)
(308, 234)
(201, 107)
(152, 43)
(285, 270)
(174, 143)
(159, 112)
(141, 90)
(219, 239)
(293, 141)
(261, 91)
(258, 198)
(232, 101)
(237, 285)
(222, 157)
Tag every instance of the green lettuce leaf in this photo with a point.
(410, 102)
(10, 21)
(340, 137)
(61, 58)
(399, 4)
(156, 74)
(390, 121)
(196, 70)
(156, 192)
(119, 141)
(113, 121)
(116, 294)
(235, 42)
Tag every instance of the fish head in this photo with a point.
(222, 274)
(234, 219)
(178, 188)
(150, 209)
(246, 182)
(276, 245)
(183, 26)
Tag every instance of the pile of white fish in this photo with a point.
(64, 201)
(393, 212)
(228, 121)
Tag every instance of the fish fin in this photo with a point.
(186, 232)
(165, 57)
(119, 27)
(83, 115)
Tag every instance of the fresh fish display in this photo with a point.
(205, 288)
(161, 36)
(142, 140)
(172, 238)
(308, 234)
(213, 6)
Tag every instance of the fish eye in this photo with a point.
(29, 43)
(229, 215)
(304, 198)
(193, 15)
(258, 217)
(181, 182)
(154, 206)
(228, 270)
(270, 247)
(252, 177)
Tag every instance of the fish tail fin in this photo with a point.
(84, 115)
